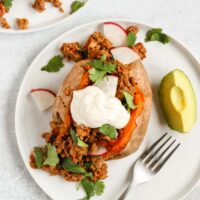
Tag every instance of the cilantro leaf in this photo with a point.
(77, 140)
(76, 5)
(156, 34)
(88, 186)
(108, 130)
(96, 76)
(7, 3)
(54, 64)
(38, 157)
(99, 188)
(71, 167)
(129, 100)
(52, 156)
(100, 69)
(131, 38)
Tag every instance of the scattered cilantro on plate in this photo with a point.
(76, 5)
(54, 64)
(52, 156)
(108, 130)
(131, 38)
(38, 157)
(129, 100)
(7, 3)
(92, 188)
(72, 167)
(76, 139)
(156, 34)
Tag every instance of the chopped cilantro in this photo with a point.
(52, 156)
(99, 188)
(129, 100)
(7, 3)
(100, 69)
(76, 5)
(131, 38)
(156, 34)
(71, 167)
(38, 157)
(54, 64)
(108, 130)
(76, 139)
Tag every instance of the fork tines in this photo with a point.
(153, 159)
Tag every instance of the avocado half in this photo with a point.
(178, 101)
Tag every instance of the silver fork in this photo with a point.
(150, 162)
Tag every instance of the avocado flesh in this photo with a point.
(178, 101)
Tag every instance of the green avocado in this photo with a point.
(178, 101)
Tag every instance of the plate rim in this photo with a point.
(59, 22)
(125, 20)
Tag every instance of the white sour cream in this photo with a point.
(93, 108)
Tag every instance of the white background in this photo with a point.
(181, 18)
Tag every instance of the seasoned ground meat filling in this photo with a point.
(140, 49)
(39, 5)
(4, 23)
(133, 29)
(23, 23)
(98, 45)
(71, 51)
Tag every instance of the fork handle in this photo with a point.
(127, 190)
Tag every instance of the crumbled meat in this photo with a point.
(93, 148)
(92, 137)
(98, 45)
(22, 23)
(140, 50)
(71, 51)
(98, 168)
(133, 29)
(2, 10)
(4, 23)
(82, 131)
(61, 10)
(39, 5)
(125, 82)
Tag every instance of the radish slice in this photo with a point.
(100, 152)
(43, 98)
(109, 85)
(115, 33)
(125, 55)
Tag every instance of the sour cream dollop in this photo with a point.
(92, 108)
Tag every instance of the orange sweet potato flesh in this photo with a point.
(126, 133)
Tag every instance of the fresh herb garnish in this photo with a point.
(54, 64)
(38, 157)
(92, 188)
(129, 100)
(7, 3)
(76, 139)
(52, 156)
(131, 38)
(156, 34)
(76, 5)
(108, 130)
(71, 167)
(100, 68)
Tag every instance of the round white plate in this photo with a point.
(181, 172)
(38, 21)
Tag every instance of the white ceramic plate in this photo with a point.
(38, 21)
(181, 172)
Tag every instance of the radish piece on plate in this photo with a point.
(109, 85)
(115, 33)
(125, 55)
(43, 98)
(100, 152)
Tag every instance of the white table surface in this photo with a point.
(179, 17)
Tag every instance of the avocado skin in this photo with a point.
(177, 120)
